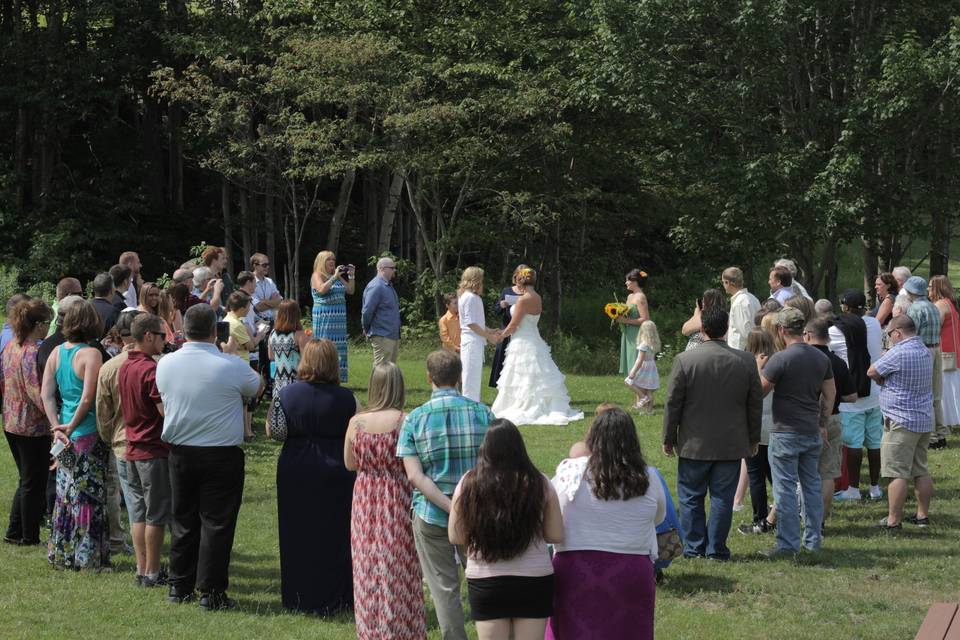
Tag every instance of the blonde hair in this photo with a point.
(648, 334)
(320, 262)
(471, 280)
(770, 324)
(386, 388)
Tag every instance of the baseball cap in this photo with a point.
(791, 320)
(853, 299)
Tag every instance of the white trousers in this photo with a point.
(471, 356)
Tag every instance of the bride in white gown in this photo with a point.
(530, 389)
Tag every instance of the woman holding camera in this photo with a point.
(329, 285)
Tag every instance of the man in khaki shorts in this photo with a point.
(817, 334)
(905, 374)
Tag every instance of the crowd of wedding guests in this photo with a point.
(790, 392)
(148, 392)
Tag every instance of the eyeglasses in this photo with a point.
(890, 332)
(263, 264)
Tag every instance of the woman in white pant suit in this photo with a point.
(473, 331)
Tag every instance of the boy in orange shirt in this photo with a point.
(450, 324)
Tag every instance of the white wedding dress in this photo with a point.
(530, 389)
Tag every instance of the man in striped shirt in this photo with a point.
(438, 442)
(906, 400)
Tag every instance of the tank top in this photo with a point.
(71, 390)
(949, 332)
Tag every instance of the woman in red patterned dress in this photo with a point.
(387, 582)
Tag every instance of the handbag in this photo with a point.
(669, 545)
(278, 424)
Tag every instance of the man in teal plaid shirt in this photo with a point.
(438, 442)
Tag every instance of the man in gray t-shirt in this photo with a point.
(801, 378)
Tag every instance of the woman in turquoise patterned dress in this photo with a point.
(329, 285)
(80, 536)
(630, 324)
(283, 349)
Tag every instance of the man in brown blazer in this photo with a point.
(711, 421)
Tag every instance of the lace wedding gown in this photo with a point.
(531, 389)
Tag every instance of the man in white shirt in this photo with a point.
(131, 260)
(862, 420)
(743, 307)
(202, 392)
(791, 266)
(266, 296)
(780, 282)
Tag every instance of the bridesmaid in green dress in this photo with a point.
(630, 325)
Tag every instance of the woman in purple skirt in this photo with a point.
(603, 570)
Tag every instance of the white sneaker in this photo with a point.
(851, 493)
(876, 493)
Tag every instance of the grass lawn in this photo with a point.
(864, 584)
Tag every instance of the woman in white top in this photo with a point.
(473, 331)
(505, 511)
(604, 568)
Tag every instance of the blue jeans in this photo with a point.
(794, 458)
(702, 535)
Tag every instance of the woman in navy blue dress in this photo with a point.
(503, 310)
(314, 488)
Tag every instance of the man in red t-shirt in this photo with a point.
(146, 454)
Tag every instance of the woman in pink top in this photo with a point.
(942, 296)
(505, 511)
(24, 422)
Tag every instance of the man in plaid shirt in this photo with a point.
(438, 442)
(906, 399)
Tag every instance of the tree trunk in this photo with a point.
(270, 226)
(870, 267)
(20, 162)
(246, 224)
(175, 159)
(389, 213)
(225, 209)
(371, 208)
(150, 128)
(340, 213)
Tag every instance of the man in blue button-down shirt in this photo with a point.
(380, 317)
(906, 398)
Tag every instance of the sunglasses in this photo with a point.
(263, 264)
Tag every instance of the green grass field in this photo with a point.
(864, 584)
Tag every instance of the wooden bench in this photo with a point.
(942, 623)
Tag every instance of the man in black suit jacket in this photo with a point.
(711, 421)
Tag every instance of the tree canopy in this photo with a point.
(581, 135)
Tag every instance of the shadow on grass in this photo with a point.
(691, 583)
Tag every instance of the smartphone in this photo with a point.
(700, 303)
(223, 332)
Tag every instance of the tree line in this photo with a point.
(583, 137)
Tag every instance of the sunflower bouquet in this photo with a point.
(616, 310)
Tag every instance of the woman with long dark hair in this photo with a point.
(504, 512)
(604, 567)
